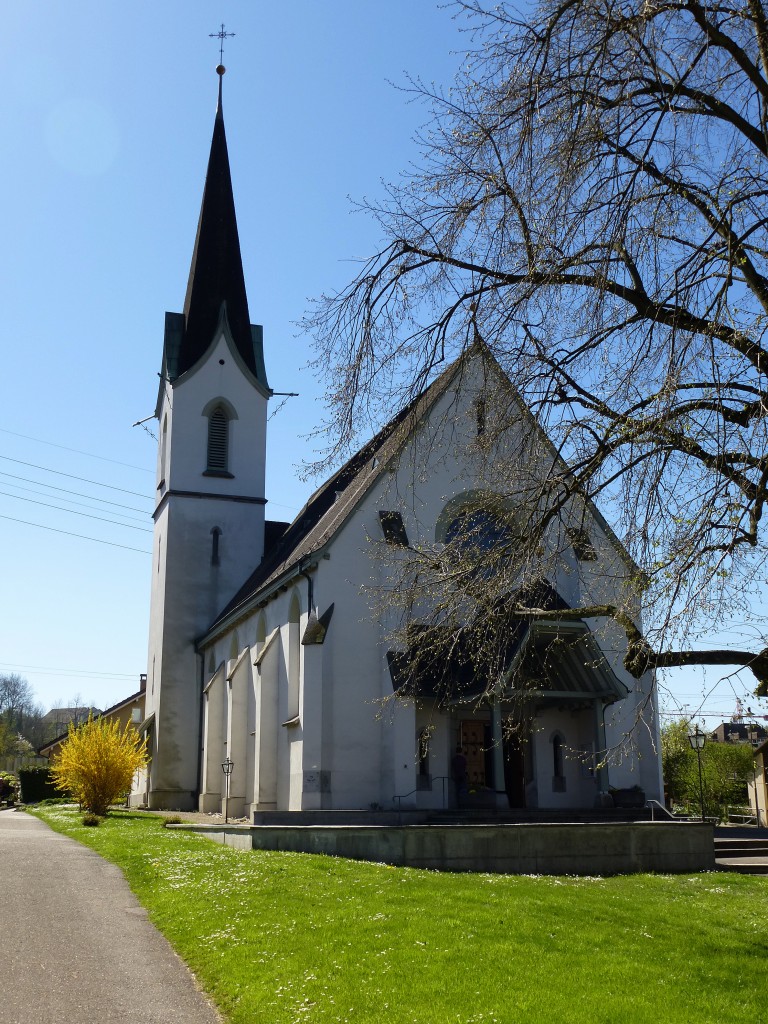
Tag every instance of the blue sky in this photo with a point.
(106, 121)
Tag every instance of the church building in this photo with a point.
(266, 652)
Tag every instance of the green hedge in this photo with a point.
(37, 784)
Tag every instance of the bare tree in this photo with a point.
(590, 207)
(15, 693)
(20, 715)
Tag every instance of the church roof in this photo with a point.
(216, 274)
(332, 503)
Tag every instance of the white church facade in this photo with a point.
(265, 649)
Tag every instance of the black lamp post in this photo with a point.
(697, 740)
(227, 767)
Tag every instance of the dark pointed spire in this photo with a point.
(216, 274)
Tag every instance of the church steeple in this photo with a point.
(216, 274)
(209, 517)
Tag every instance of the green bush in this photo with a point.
(98, 761)
(173, 819)
(37, 784)
(92, 820)
(8, 786)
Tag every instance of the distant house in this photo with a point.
(57, 720)
(130, 709)
(739, 732)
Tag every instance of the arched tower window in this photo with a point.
(220, 414)
(218, 442)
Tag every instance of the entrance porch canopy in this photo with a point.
(559, 661)
(547, 661)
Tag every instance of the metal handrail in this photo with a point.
(746, 819)
(434, 778)
(653, 804)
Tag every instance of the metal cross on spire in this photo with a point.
(221, 35)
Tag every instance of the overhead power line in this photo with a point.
(47, 669)
(81, 536)
(77, 451)
(66, 490)
(70, 501)
(726, 715)
(74, 512)
(71, 476)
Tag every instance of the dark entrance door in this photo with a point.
(474, 744)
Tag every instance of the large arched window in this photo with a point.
(220, 414)
(482, 535)
(478, 518)
(477, 529)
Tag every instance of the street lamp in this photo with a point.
(697, 740)
(227, 767)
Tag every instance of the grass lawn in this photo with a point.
(284, 937)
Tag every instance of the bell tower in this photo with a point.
(209, 515)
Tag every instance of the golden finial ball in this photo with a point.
(220, 69)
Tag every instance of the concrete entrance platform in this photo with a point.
(556, 848)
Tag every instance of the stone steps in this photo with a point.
(512, 817)
(747, 855)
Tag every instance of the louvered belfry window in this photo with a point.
(218, 441)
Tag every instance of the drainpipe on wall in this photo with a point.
(200, 683)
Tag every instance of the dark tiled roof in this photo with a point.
(332, 503)
(442, 667)
(273, 531)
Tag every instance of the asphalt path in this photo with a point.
(76, 947)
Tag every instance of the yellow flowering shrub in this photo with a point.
(97, 762)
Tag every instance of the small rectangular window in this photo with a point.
(480, 414)
(393, 529)
(582, 545)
